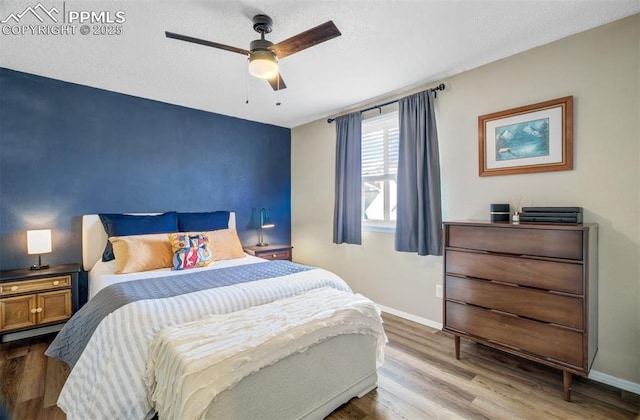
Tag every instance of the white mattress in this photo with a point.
(102, 273)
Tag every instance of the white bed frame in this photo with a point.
(306, 385)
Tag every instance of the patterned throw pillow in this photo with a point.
(190, 250)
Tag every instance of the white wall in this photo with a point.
(600, 68)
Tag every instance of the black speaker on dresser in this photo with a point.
(500, 212)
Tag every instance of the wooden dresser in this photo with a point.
(528, 289)
(34, 302)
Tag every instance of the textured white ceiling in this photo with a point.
(386, 47)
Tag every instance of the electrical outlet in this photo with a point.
(439, 291)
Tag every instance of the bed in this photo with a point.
(109, 379)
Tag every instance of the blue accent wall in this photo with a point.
(68, 150)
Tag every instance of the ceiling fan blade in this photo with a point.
(306, 39)
(205, 42)
(277, 83)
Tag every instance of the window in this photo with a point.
(379, 171)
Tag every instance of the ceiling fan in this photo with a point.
(264, 55)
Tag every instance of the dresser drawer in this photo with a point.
(530, 303)
(279, 255)
(26, 286)
(543, 340)
(270, 252)
(16, 312)
(547, 275)
(519, 241)
(54, 306)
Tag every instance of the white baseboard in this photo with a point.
(613, 381)
(410, 317)
(593, 375)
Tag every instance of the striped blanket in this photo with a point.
(107, 380)
(71, 341)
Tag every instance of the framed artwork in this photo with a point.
(532, 138)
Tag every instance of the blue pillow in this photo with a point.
(127, 224)
(203, 222)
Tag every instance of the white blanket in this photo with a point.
(190, 364)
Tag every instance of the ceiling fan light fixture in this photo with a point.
(263, 64)
(263, 55)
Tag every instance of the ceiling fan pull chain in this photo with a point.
(246, 85)
(278, 90)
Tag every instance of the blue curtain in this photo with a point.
(419, 213)
(347, 219)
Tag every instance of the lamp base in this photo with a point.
(39, 266)
(262, 244)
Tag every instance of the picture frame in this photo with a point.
(528, 139)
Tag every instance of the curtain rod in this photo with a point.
(435, 89)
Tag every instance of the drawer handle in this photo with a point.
(56, 282)
(14, 288)
(497, 311)
(274, 255)
(39, 310)
(34, 310)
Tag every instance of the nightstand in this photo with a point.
(271, 252)
(35, 302)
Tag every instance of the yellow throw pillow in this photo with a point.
(190, 250)
(225, 244)
(137, 253)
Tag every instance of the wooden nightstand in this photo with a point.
(35, 302)
(271, 252)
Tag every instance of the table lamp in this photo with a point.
(39, 242)
(265, 223)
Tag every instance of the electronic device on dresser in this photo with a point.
(528, 289)
(551, 215)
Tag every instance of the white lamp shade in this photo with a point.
(263, 65)
(39, 241)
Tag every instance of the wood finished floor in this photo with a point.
(419, 380)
